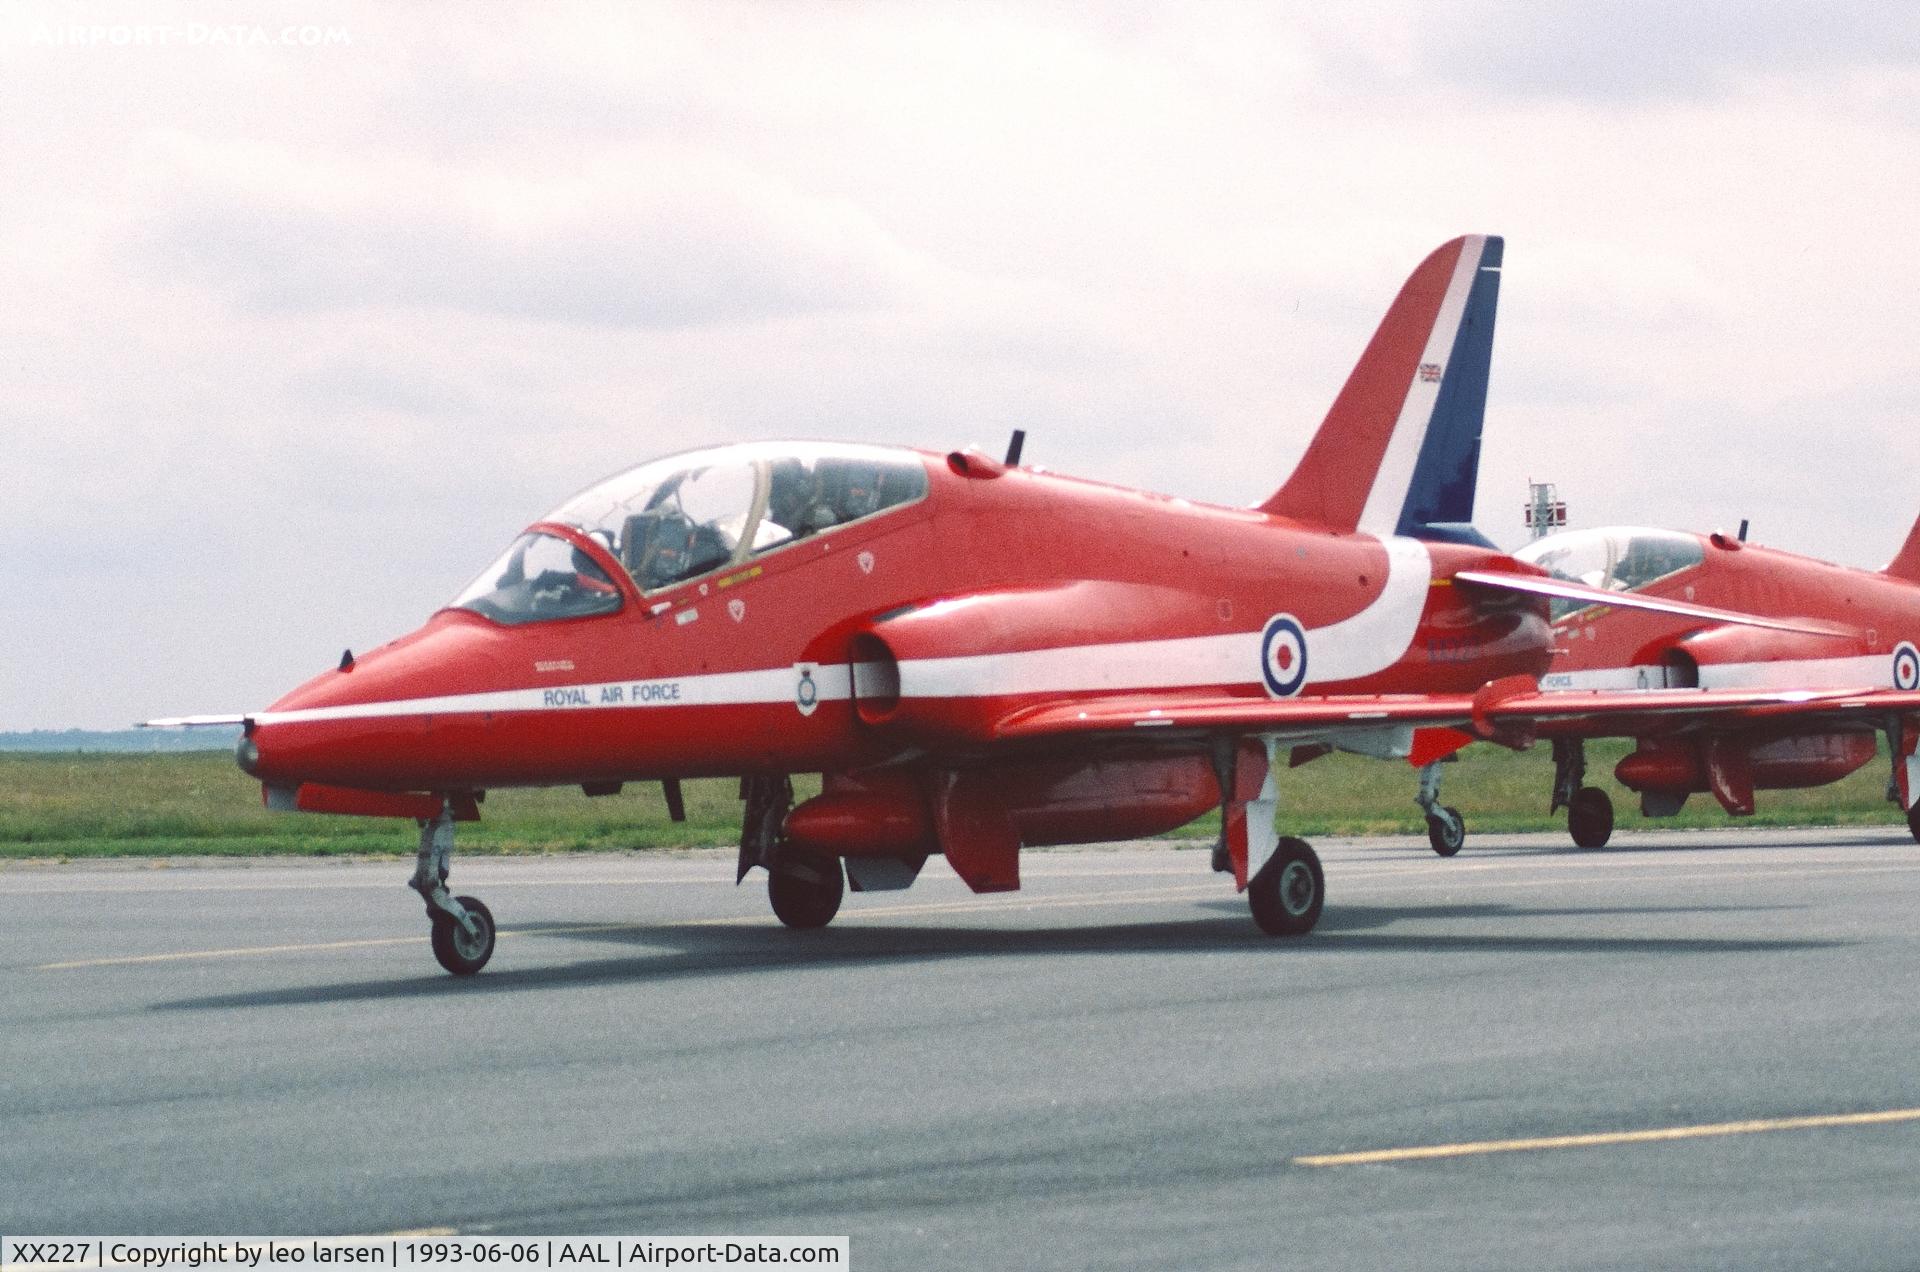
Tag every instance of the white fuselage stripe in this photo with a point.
(834, 682)
(1388, 498)
(1354, 647)
(1863, 671)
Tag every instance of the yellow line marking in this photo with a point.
(1670, 858)
(351, 885)
(1665, 1134)
(656, 925)
(1364, 885)
(138, 886)
(1043, 903)
(239, 952)
(1395, 888)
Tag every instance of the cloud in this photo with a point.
(644, 238)
(1628, 51)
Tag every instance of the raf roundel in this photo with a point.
(1906, 666)
(806, 691)
(1283, 655)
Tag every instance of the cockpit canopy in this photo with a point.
(542, 576)
(1615, 559)
(687, 515)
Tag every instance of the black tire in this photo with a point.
(1913, 822)
(1590, 817)
(806, 890)
(459, 953)
(1446, 831)
(1287, 894)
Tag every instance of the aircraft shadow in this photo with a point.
(716, 953)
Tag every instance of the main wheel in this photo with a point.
(806, 890)
(1287, 893)
(459, 951)
(1590, 817)
(1446, 830)
(1913, 822)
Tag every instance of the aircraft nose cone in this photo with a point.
(384, 721)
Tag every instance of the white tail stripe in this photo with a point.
(1388, 497)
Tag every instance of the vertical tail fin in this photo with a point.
(1399, 452)
(1906, 562)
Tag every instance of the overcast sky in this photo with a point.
(305, 317)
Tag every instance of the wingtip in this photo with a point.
(192, 722)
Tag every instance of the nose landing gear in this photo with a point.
(1446, 829)
(463, 933)
(463, 949)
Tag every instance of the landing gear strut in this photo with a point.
(1446, 829)
(463, 933)
(1286, 887)
(1901, 781)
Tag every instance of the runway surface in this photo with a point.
(1112, 1068)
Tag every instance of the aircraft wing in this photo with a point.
(1512, 711)
(1615, 714)
(1542, 585)
(1302, 717)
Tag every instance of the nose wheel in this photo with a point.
(460, 949)
(462, 932)
(1446, 830)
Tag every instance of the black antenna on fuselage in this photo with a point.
(1013, 446)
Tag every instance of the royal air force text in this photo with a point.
(645, 693)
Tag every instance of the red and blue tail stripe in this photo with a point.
(1399, 451)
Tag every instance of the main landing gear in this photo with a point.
(1589, 809)
(1287, 893)
(805, 890)
(463, 933)
(1590, 817)
(1446, 829)
(1287, 887)
(1901, 745)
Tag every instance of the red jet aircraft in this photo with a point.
(975, 655)
(1867, 652)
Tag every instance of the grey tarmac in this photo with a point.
(1111, 1068)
